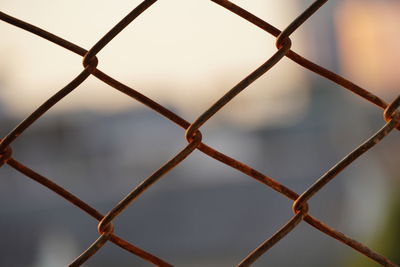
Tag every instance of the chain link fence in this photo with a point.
(194, 136)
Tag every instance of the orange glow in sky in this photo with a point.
(369, 41)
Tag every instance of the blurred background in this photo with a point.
(290, 124)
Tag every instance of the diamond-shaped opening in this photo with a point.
(203, 222)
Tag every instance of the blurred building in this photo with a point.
(201, 212)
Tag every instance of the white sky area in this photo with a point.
(184, 54)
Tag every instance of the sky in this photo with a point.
(368, 39)
(183, 54)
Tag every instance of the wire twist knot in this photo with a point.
(391, 112)
(105, 228)
(5, 155)
(90, 61)
(300, 206)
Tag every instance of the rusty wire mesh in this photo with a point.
(194, 136)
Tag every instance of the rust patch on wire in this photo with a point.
(193, 135)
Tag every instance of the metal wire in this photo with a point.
(194, 137)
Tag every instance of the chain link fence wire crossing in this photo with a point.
(193, 135)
